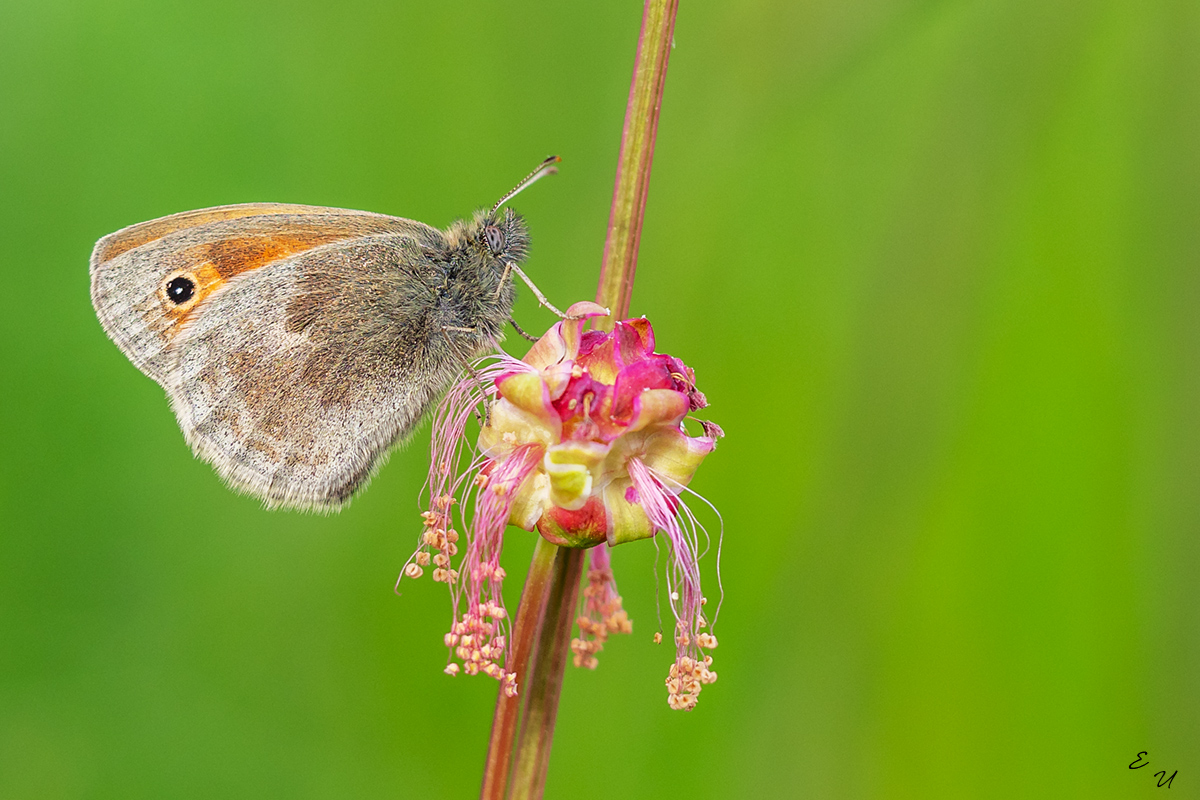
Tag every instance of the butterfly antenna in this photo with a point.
(543, 169)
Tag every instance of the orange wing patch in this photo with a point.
(137, 235)
(204, 250)
(231, 257)
(219, 261)
(270, 232)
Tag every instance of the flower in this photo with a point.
(584, 442)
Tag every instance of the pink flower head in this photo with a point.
(584, 442)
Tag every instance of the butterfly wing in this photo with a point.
(304, 350)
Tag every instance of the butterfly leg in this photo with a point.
(536, 291)
(483, 421)
(508, 265)
(530, 337)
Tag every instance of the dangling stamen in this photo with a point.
(668, 513)
(601, 613)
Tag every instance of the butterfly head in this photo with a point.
(498, 236)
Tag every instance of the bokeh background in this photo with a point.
(936, 264)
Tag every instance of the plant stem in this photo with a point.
(542, 633)
(532, 757)
(525, 632)
(633, 165)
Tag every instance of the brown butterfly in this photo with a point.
(298, 344)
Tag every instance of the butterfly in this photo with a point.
(297, 344)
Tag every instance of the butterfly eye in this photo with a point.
(495, 238)
(180, 289)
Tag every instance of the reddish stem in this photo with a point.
(546, 614)
(531, 757)
(525, 632)
(637, 152)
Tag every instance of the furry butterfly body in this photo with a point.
(298, 344)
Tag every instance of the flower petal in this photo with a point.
(674, 457)
(561, 342)
(635, 379)
(548, 350)
(527, 391)
(557, 378)
(570, 485)
(509, 426)
(601, 360)
(627, 522)
(657, 407)
(585, 527)
(572, 329)
(635, 339)
(530, 500)
(667, 451)
(572, 467)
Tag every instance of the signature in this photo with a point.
(1163, 780)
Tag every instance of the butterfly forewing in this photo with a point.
(132, 269)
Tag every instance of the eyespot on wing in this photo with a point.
(132, 270)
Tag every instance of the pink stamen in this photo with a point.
(600, 613)
(478, 635)
(450, 423)
(668, 513)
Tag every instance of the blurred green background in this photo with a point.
(937, 267)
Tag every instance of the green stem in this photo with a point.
(525, 632)
(633, 165)
(542, 632)
(532, 754)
